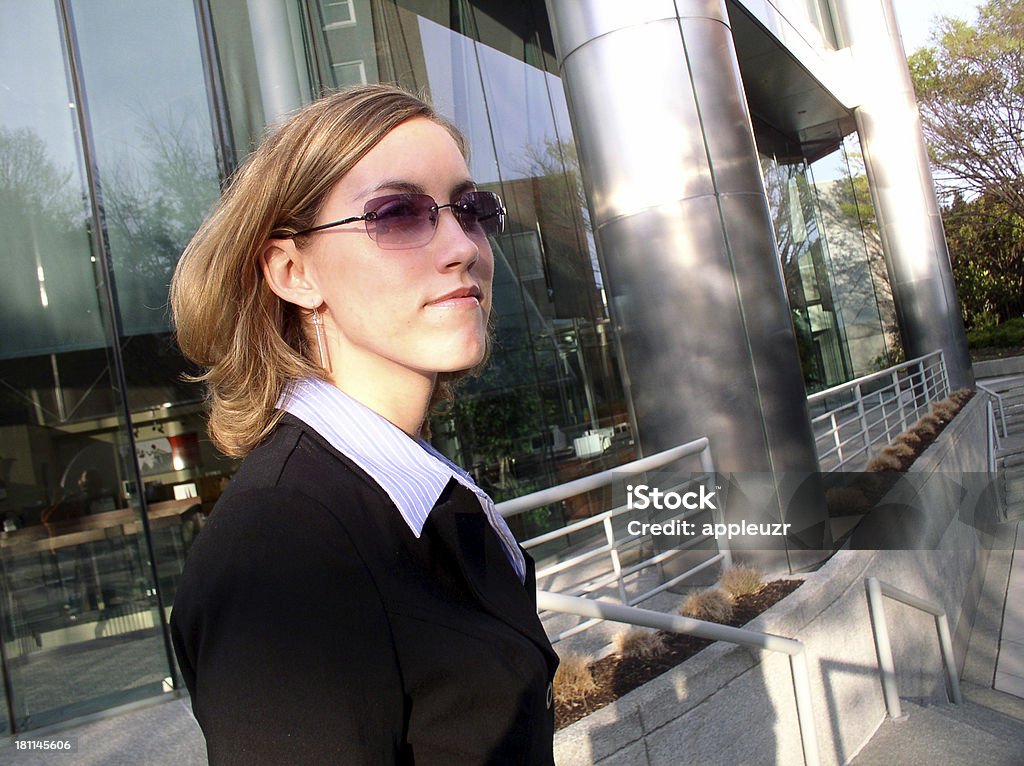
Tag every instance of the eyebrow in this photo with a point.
(408, 187)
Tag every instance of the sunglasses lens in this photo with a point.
(401, 220)
(480, 212)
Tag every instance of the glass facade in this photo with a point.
(116, 134)
(831, 258)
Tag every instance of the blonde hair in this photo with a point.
(227, 319)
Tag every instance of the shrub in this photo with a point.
(1006, 335)
(884, 462)
(637, 642)
(847, 501)
(741, 580)
(961, 396)
(927, 427)
(573, 679)
(945, 410)
(909, 438)
(900, 451)
(714, 605)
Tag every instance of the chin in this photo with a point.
(464, 358)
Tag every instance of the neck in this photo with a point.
(401, 397)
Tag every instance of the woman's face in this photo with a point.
(421, 310)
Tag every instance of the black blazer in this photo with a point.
(312, 626)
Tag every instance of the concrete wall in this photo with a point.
(732, 705)
(995, 368)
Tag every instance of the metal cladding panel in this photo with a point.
(635, 120)
(716, 81)
(676, 305)
(768, 324)
(903, 191)
(575, 23)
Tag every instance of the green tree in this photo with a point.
(970, 90)
(986, 247)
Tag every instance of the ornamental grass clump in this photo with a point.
(927, 428)
(884, 462)
(741, 580)
(909, 438)
(902, 454)
(639, 643)
(848, 501)
(573, 679)
(944, 410)
(961, 396)
(713, 605)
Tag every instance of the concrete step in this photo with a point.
(977, 733)
(1010, 463)
(1013, 486)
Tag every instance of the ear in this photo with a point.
(284, 268)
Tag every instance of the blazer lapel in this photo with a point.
(460, 524)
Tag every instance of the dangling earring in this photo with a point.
(321, 340)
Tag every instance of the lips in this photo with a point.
(463, 296)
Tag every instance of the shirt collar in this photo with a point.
(410, 471)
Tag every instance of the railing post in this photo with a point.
(863, 420)
(994, 442)
(899, 399)
(804, 711)
(946, 645)
(886, 666)
(945, 375)
(613, 551)
(707, 465)
(835, 437)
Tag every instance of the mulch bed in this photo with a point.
(615, 675)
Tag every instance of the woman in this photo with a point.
(354, 597)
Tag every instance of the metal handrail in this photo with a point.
(999, 400)
(861, 381)
(849, 431)
(700, 448)
(883, 646)
(600, 479)
(601, 610)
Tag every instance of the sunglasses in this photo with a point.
(400, 221)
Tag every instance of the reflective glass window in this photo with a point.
(89, 378)
(831, 256)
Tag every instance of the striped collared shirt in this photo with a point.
(410, 470)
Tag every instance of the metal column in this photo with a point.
(280, 89)
(902, 189)
(685, 234)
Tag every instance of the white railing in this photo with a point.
(849, 420)
(615, 541)
(883, 646)
(995, 404)
(600, 610)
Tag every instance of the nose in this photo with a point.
(453, 247)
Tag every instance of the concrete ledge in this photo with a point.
(997, 368)
(732, 705)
